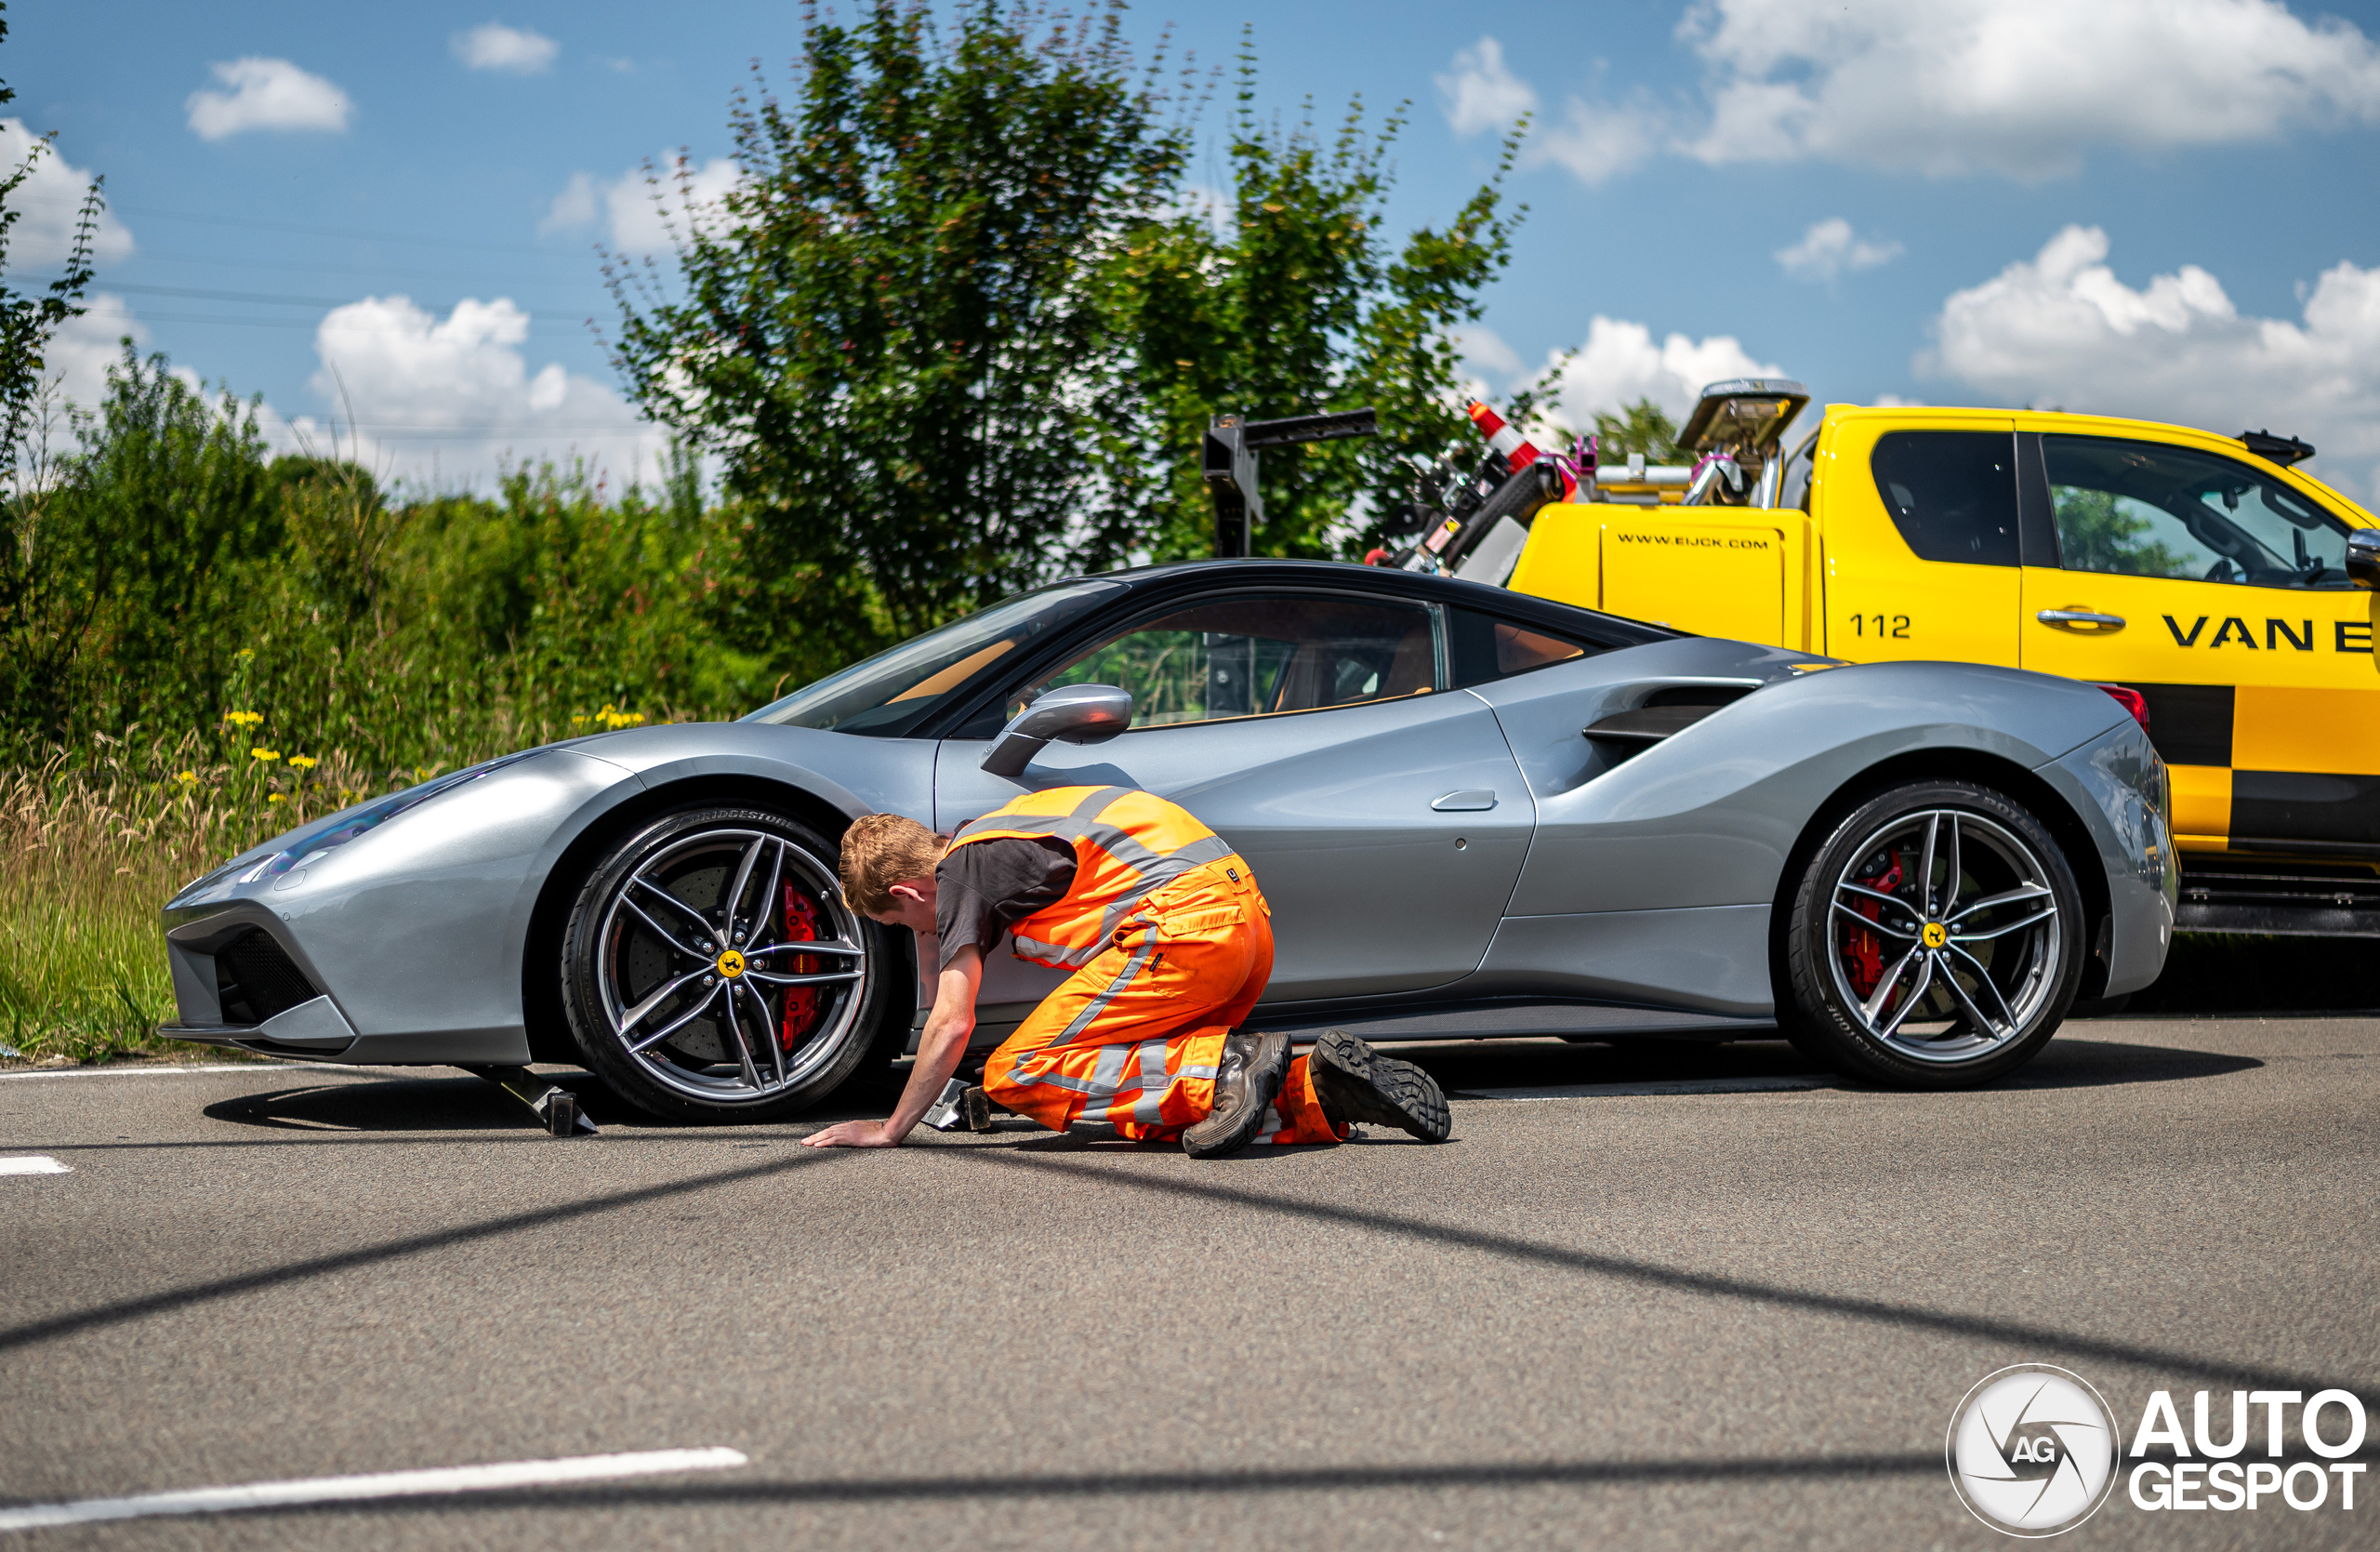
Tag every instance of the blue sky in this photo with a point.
(2161, 207)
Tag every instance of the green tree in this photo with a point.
(1638, 428)
(890, 332)
(141, 580)
(1297, 301)
(29, 320)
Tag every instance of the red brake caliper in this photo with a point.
(1864, 953)
(802, 1009)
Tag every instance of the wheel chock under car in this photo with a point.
(961, 1106)
(556, 1108)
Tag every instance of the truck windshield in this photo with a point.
(887, 696)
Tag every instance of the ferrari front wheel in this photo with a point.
(712, 972)
(1935, 938)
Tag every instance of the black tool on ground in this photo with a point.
(962, 1105)
(1228, 459)
(555, 1107)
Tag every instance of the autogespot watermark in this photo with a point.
(2034, 1451)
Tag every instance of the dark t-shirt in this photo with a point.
(983, 889)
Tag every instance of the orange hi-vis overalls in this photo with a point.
(1170, 943)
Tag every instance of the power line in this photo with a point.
(273, 300)
(150, 212)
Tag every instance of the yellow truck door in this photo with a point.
(2216, 590)
(1917, 526)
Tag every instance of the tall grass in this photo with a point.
(91, 848)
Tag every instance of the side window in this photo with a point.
(2142, 508)
(1952, 494)
(1255, 655)
(1482, 647)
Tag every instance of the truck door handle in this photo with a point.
(1465, 803)
(2078, 616)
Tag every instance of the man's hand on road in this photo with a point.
(854, 1133)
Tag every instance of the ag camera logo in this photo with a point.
(2032, 1450)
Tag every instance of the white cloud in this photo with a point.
(1830, 248)
(49, 203)
(1597, 144)
(2061, 330)
(641, 218)
(1619, 363)
(267, 94)
(2020, 87)
(83, 350)
(1484, 350)
(514, 50)
(1480, 93)
(451, 400)
(571, 208)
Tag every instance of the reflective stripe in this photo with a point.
(1152, 1083)
(1098, 1004)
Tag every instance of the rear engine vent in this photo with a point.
(255, 979)
(1699, 695)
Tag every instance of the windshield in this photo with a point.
(888, 694)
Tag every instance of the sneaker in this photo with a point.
(1357, 1083)
(1247, 1079)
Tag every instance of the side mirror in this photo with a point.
(1071, 713)
(2363, 557)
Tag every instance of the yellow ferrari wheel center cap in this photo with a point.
(1935, 934)
(731, 964)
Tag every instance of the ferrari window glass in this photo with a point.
(1257, 655)
(1481, 647)
(2144, 508)
(1952, 494)
(889, 694)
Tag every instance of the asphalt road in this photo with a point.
(1640, 1314)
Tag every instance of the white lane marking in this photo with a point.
(1682, 1085)
(175, 1071)
(378, 1484)
(33, 1164)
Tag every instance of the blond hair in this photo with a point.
(881, 850)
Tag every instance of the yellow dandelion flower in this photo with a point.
(244, 719)
(303, 761)
(188, 779)
(264, 754)
(275, 798)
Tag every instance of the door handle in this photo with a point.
(2080, 617)
(1465, 803)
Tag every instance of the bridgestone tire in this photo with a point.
(2014, 966)
(648, 918)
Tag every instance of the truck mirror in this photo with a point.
(2363, 557)
(1071, 713)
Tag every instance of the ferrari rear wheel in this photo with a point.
(712, 972)
(1935, 940)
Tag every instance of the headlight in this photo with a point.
(369, 817)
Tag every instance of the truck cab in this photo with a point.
(2231, 591)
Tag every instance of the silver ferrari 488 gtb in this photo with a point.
(1474, 813)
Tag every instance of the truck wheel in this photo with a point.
(1936, 939)
(712, 972)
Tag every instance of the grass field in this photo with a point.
(86, 857)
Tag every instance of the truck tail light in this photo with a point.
(2131, 700)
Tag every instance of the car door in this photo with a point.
(2216, 590)
(1382, 812)
(1920, 538)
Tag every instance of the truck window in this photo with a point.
(2144, 509)
(1952, 494)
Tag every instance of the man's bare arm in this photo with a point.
(940, 1049)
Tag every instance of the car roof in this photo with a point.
(1610, 630)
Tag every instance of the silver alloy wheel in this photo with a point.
(704, 976)
(1945, 936)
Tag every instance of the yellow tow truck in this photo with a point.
(2214, 585)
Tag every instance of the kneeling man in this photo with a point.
(1170, 943)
